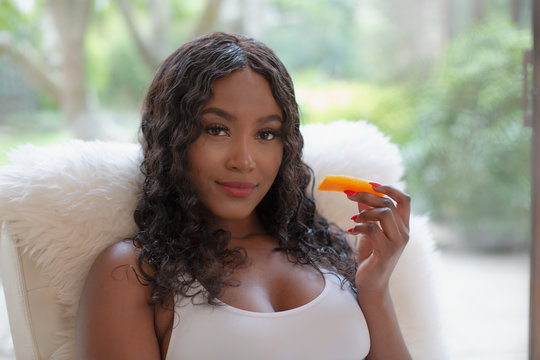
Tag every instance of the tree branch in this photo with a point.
(160, 27)
(150, 57)
(70, 20)
(209, 17)
(27, 59)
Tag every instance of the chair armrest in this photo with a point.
(32, 309)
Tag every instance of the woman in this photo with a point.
(232, 260)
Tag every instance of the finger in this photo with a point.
(371, 200)
(378, 240)
(390, 219)
(362, 207)
(386, 218)
(403, 201)
(368, 201)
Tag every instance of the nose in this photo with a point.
(241, 156)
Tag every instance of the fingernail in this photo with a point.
(354, 217)
(374, 184)
(350, 192)
(350, 230)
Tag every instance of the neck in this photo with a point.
(241, 228)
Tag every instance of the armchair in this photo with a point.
(61, 205)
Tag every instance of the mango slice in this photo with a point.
(340, 183)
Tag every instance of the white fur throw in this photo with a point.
(66, 203)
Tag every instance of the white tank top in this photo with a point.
(331, 326)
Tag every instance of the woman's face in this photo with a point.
(235, 160)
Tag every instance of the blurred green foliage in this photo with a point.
(11, 140)
(22, 25)
(321, 34)
(323, 99)
(8, 15)
(458, 120)
(122, 83)
(469, 163)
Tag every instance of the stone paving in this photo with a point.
(485, 304)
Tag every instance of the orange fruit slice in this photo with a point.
(340, 183)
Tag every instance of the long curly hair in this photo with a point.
(174, 237)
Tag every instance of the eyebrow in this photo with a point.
(227, 116)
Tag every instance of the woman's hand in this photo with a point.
(384, 222)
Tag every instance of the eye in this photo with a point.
(217, 130)
(268, 134)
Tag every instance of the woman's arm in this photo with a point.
(114, 320)
(386, 338)
(384, 222)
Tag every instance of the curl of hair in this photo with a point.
(174, 237)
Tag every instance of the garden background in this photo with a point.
(442, 78)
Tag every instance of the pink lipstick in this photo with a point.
(237, 189)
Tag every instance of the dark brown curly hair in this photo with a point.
(174, 236)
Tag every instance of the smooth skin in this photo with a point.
(384, 222)
(240, 148)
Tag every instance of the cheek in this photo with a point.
(280, 160)
(277, 159)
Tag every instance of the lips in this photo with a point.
(237, 189)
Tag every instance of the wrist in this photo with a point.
(374, 298)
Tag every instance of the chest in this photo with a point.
(269, 282)
(331, 326)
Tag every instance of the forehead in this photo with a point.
(244, 90)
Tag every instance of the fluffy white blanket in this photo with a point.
(66, 203)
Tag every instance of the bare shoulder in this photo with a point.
(123, 251)
(116, 269)
(118, 255)
(115, 320)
